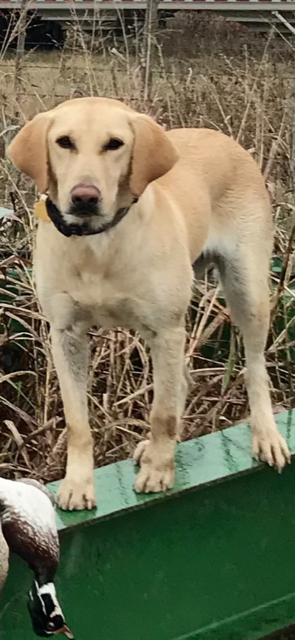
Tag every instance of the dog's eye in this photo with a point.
(113, 144)
(65, 142)
(50, 626)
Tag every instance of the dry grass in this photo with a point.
(249, 98)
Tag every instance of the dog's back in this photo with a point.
(216, 183)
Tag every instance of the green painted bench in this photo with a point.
(214, 559)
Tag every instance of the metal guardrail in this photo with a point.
(211, 560)
(220, 5)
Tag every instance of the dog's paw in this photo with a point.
(156, 468)
(74, 495)
(269, 446)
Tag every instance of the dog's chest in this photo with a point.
(108, 288)
(104, 302)
(114, 308)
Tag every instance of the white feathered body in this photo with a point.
(28, 524)
(27, 503)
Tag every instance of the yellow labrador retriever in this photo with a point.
(133, 210)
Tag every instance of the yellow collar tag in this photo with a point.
(40, 210)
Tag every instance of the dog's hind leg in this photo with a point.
(244, 275)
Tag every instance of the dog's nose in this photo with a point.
(86, 193)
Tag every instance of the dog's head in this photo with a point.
(93, 156)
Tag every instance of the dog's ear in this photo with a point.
(153, 154)
(28, 151)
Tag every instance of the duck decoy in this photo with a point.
(28, 526)
(4, 554)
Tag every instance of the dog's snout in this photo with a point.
(86, 194)
(85, 201)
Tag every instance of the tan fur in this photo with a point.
(153, 154)
(209, 205)
(28, 151)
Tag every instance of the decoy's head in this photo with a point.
(46, 614)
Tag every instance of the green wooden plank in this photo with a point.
(213, 560)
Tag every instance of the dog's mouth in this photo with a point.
(81, 219)
(85, 210)
(85, 223)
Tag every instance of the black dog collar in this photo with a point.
(82, 229)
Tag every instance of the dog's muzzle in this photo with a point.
(85, 201)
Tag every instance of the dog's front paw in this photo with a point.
(269, 446)
(156, 468)
(75, 495)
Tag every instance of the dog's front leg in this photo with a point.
(156, 456)
(70, 355)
